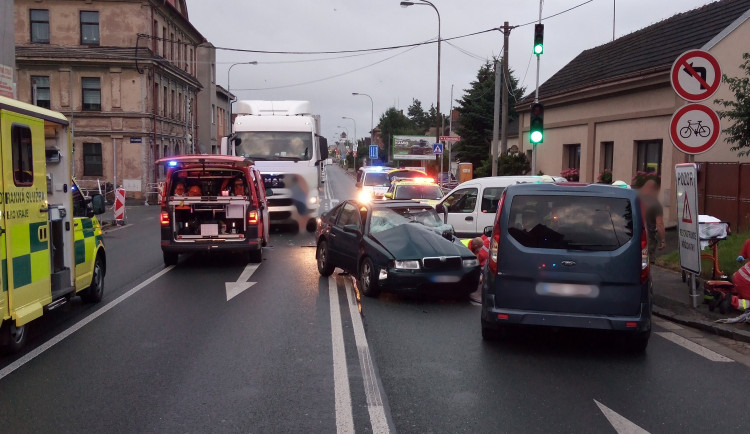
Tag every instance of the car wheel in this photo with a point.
(637, 342)
(15, 337)
(255, 256)
(170, 258)
(325, 268)
(367, 283)
(94, 293)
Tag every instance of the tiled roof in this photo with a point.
(651, 48)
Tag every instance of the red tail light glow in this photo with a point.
(164, 218)
(252, 217)
(495, 241)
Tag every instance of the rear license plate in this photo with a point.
(567, 290)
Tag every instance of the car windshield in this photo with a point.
(275, 145)
(571, 222)
(389, 218)
(376, 179)
(430, 191)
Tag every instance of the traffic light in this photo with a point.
(539, 39)
(536, 132)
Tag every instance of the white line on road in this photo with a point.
(235, 288)
(692, 346)
(344, 419)
(619, 423)
(372, 390)
(79, 325)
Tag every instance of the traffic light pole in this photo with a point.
(536, 99)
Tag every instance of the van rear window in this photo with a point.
(571, 222)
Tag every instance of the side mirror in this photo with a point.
(358, 184)
(97, 204)
(323, 143)
(236, 141)
(488, 231)
(448, 233)
(352, 229)
(269, 192)
(388, 195)
(443, 210)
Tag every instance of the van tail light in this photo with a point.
(495, 241)
(252, 217)
(164, 218)
(645, 264)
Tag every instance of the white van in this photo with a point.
(472, 205)
(372, 182)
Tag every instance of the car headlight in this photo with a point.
(313, 200)
(468, 263)
(406, 265)
(365, 196)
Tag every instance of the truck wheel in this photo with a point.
(94, 293)
(367, 279)
(256, 256)
(170, 258)
(14, 337)
(325, 268)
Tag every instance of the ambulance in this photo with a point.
(51, 246)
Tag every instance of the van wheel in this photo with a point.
(256, 256)
(14, 338)
(492, 333)
(367, 282)
(325, 268)
(170, 258)
(94, 293)
(637, 342)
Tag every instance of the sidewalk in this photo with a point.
(672, 302)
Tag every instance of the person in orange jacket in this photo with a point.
(741, 280)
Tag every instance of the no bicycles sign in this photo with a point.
(694, 128)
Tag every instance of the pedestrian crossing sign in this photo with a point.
(437, 149)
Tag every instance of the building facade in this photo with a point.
(124, 72)
(610, 107)
(213, 103)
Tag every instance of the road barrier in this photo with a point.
(119, 208)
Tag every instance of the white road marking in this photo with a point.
(619, 423)
(344, 419)
(235, 288)
(79, 325)
(372, 390)
(692, 346)
(109, 231)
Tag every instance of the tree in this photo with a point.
(475, 115)
(507, 164)
(395, 122)
(738, 110)
(418, 116)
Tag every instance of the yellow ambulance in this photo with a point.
(51, 244)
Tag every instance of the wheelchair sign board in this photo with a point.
(694, 128)
(686, 176)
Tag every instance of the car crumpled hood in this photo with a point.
(414, 241)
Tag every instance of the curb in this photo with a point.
(711, 327)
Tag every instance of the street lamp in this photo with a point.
(438, 120)
(372, 115)
(229, 89)
(355, 127)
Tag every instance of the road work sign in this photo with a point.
(687, 217)
(695, 75)
(694, 128)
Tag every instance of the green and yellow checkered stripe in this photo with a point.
(91, 238)
(29, 251)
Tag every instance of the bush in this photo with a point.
(572, 175)
(641, 177)
(605, 177)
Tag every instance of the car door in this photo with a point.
(343, 245)
(461, 205)
(488, 207)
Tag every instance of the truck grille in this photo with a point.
(443, 263)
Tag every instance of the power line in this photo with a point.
(467, 52)
(554, 15)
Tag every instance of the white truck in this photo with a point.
(282, 138)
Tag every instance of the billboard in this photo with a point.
(413, 148)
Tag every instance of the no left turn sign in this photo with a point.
(694, 128)
(695, 75)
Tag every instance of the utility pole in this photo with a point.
(506, 86)
(501, 74)
(449, 145)
(536, 98)
(496, 119)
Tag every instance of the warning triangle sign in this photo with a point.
(687, 216)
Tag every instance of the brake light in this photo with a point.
(252, 217)
(645, 264)
(164, 218)
(495, 241)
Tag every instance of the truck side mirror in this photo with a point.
(97, 204)
(236, 141)
(323, 143)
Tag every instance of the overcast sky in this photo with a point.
(330, 25)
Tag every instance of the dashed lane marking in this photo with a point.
(343, 400)
(692, 346)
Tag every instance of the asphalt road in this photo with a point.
(190, 349)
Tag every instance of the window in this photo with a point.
(648, 157)
(190, 62)
(164, 42)
(572, 155)
(164, 106)
(92, 93)
(92, 159)
(179, 53)
(171, 105)
(89, 28)
(171, 46)
(462, 201)
(608, 152)
(490, 198)
(213, 115)
(39, 19)
(40, 91)
(349, 216)
(23, 169)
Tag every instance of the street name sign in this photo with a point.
(695, 75)
(450, 139)
(687, 217)
(694, 128)
(373, 152)
(437, 149)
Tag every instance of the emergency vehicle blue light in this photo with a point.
(172, 164)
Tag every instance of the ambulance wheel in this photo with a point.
(255, 256)
(94, 293)
(170, 258)
(14, 337)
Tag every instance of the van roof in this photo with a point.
(505, 181)
(225, 160)
(605, 190)
(32, 110)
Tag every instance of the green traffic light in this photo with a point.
(538, 49)
(536, 137)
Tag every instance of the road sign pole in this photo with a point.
(440, 176)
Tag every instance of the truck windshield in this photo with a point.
(275, 145)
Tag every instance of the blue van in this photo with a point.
(568, 255)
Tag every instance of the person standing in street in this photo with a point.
(654, 216)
